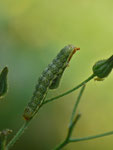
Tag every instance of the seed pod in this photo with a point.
(103, 67)
(3, 82)
(49, 79)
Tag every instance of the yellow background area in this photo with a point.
(32, 32)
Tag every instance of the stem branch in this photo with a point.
(25, 125)
(76, 105)
(70, 91)
(74, 120)
(92, 137)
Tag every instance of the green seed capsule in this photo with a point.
(103, 67)
(49, 79)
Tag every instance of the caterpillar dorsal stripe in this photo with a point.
(49, 79)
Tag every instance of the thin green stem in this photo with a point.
(18, 135)
(83, 139)
(76, 104)
(71, 127)
(91, 137)
(66, 141)
(20, 132)
(59, 147)
(70, 91)
(3, 143)
(25, 125)
(74, 120)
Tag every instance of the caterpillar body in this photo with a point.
(49, 79)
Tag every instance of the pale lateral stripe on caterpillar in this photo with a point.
(50, 78)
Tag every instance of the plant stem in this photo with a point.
(25, 125)
(64, 143)
(74, 120)
(83, 139)
(70, 91)
(72, 125)
(18, 135)
(20, 132)
(76, 104)
(3, 143)
(91, 137)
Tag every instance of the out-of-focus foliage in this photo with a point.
(3, 82)
(31, 33)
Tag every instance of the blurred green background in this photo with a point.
(31, 34)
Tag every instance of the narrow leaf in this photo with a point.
(3, 82)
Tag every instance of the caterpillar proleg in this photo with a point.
(49, 79)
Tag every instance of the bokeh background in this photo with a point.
(31, 34)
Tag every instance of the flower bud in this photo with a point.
(103, 67)
(3, 81)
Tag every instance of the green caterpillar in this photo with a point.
(49, 79)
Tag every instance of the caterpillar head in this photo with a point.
(72, 50)
(67, 52)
